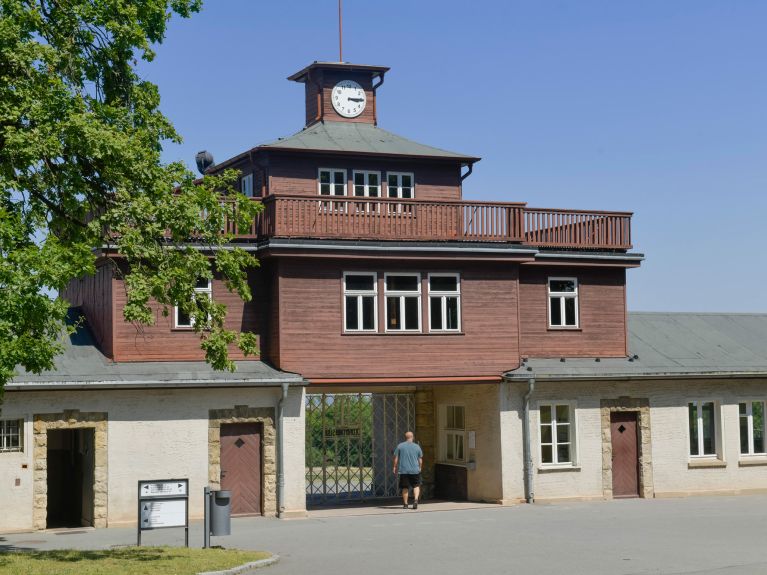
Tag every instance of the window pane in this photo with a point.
(545, 414)
(338, 177)
(459, 415)
(202, 283)
(443, 283)
(452, 313)
(436, 313)
(566, 286)
(556, 311)
(392, 181)
(359, 191)
(407, 193)
(570, 311)
(545, 433)
(183, 319)
(325, 189)
(368, 312)
(402, 283)
(563, 433)
(360, 282)
(563, 413)
(352, 318)
(693, 423)
(758, 422)
(459, 447)
(742, 408)
(324, 177)
(411, 313)
(338, 189)
(450, 447)
(359, 179)
(546, 454)
(393, 320)
(373, 180)
(744, 432)
(563, 454)
(373, 191)
(407, 181)
(709, 429)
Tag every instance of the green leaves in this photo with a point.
(81, 174)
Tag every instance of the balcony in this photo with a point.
(423, 220)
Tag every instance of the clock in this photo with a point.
(348, 98)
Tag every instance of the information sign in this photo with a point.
(163, 503)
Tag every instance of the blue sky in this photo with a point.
(656, 107)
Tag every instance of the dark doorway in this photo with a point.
(241, 466)
(625, 445)
(70, 477)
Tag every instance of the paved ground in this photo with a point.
(715, 536)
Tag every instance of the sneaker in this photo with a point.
(404, 506)
(415, 504)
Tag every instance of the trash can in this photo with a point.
(220, 512)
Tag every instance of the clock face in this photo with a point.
(348, 98)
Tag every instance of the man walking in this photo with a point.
(408, 460)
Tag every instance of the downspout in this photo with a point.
(528, 452)
(280, 452)
(375, 99)
(466, 175)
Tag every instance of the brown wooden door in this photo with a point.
(623, 428)
(241, 466)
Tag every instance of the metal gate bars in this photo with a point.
(350, 438)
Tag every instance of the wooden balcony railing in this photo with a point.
(427, 220)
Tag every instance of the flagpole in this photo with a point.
(340, 34)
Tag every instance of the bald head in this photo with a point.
(408, 436)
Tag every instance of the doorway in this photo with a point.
(241, 466)
(70, 477)
(625, 453)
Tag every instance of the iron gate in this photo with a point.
(350, 438)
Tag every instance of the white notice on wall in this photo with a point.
(163, 513)
(472, 440)
(168, 488)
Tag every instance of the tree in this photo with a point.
(81, 137)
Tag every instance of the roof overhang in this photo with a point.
(300, 76)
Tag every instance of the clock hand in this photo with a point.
(356, 99)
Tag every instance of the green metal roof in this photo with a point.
(359, 138)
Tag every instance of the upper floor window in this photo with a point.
(704, 425)
(444, 302)
(367, 184)
(403, 302)
(183, 319)
(453, 433)
(246, 185)
(332, 182)
(11, 435)
(360, 301)
(752, 427)
(400, 185)
(563, 302)
(556, 433)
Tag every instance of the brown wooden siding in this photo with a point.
(327, 79)
(602, 325)
(93, 294)
(161, 342)
(297, 175)
(312, 342)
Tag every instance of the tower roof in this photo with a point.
(300, 76)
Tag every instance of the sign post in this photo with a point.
(163, 503)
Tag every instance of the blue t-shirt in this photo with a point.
(408, 453)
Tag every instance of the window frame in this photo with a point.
(447, 433)
(443, 295)
(207, 290)
(359, 294)
(243, 180)
(402, 295)
(399, 185)
(366, 185)
(718, 428)
(573, 441)
(749, 422)
(4, 435)
(332, 182)
(562, 296)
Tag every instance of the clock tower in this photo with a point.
(340, 92)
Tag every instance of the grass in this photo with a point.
(124, 561)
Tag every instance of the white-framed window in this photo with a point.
(403, 301)
(563, 302)
(444, 302)
(400, 185)
(556, 424)
(367, 184)
(752, 427)
(360, 301)
(331, 182)
(11, 435)
(246, 185)
(181, 319)
(453, 418)
(704, 425)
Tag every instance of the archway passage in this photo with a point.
(70, 477)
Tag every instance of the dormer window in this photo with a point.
(332, 182)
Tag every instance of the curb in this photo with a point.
(246, 568)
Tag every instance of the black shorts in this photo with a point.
(408, 480)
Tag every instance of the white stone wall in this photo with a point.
(151, 434)
(672, 470)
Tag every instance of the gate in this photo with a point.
(350, 440)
